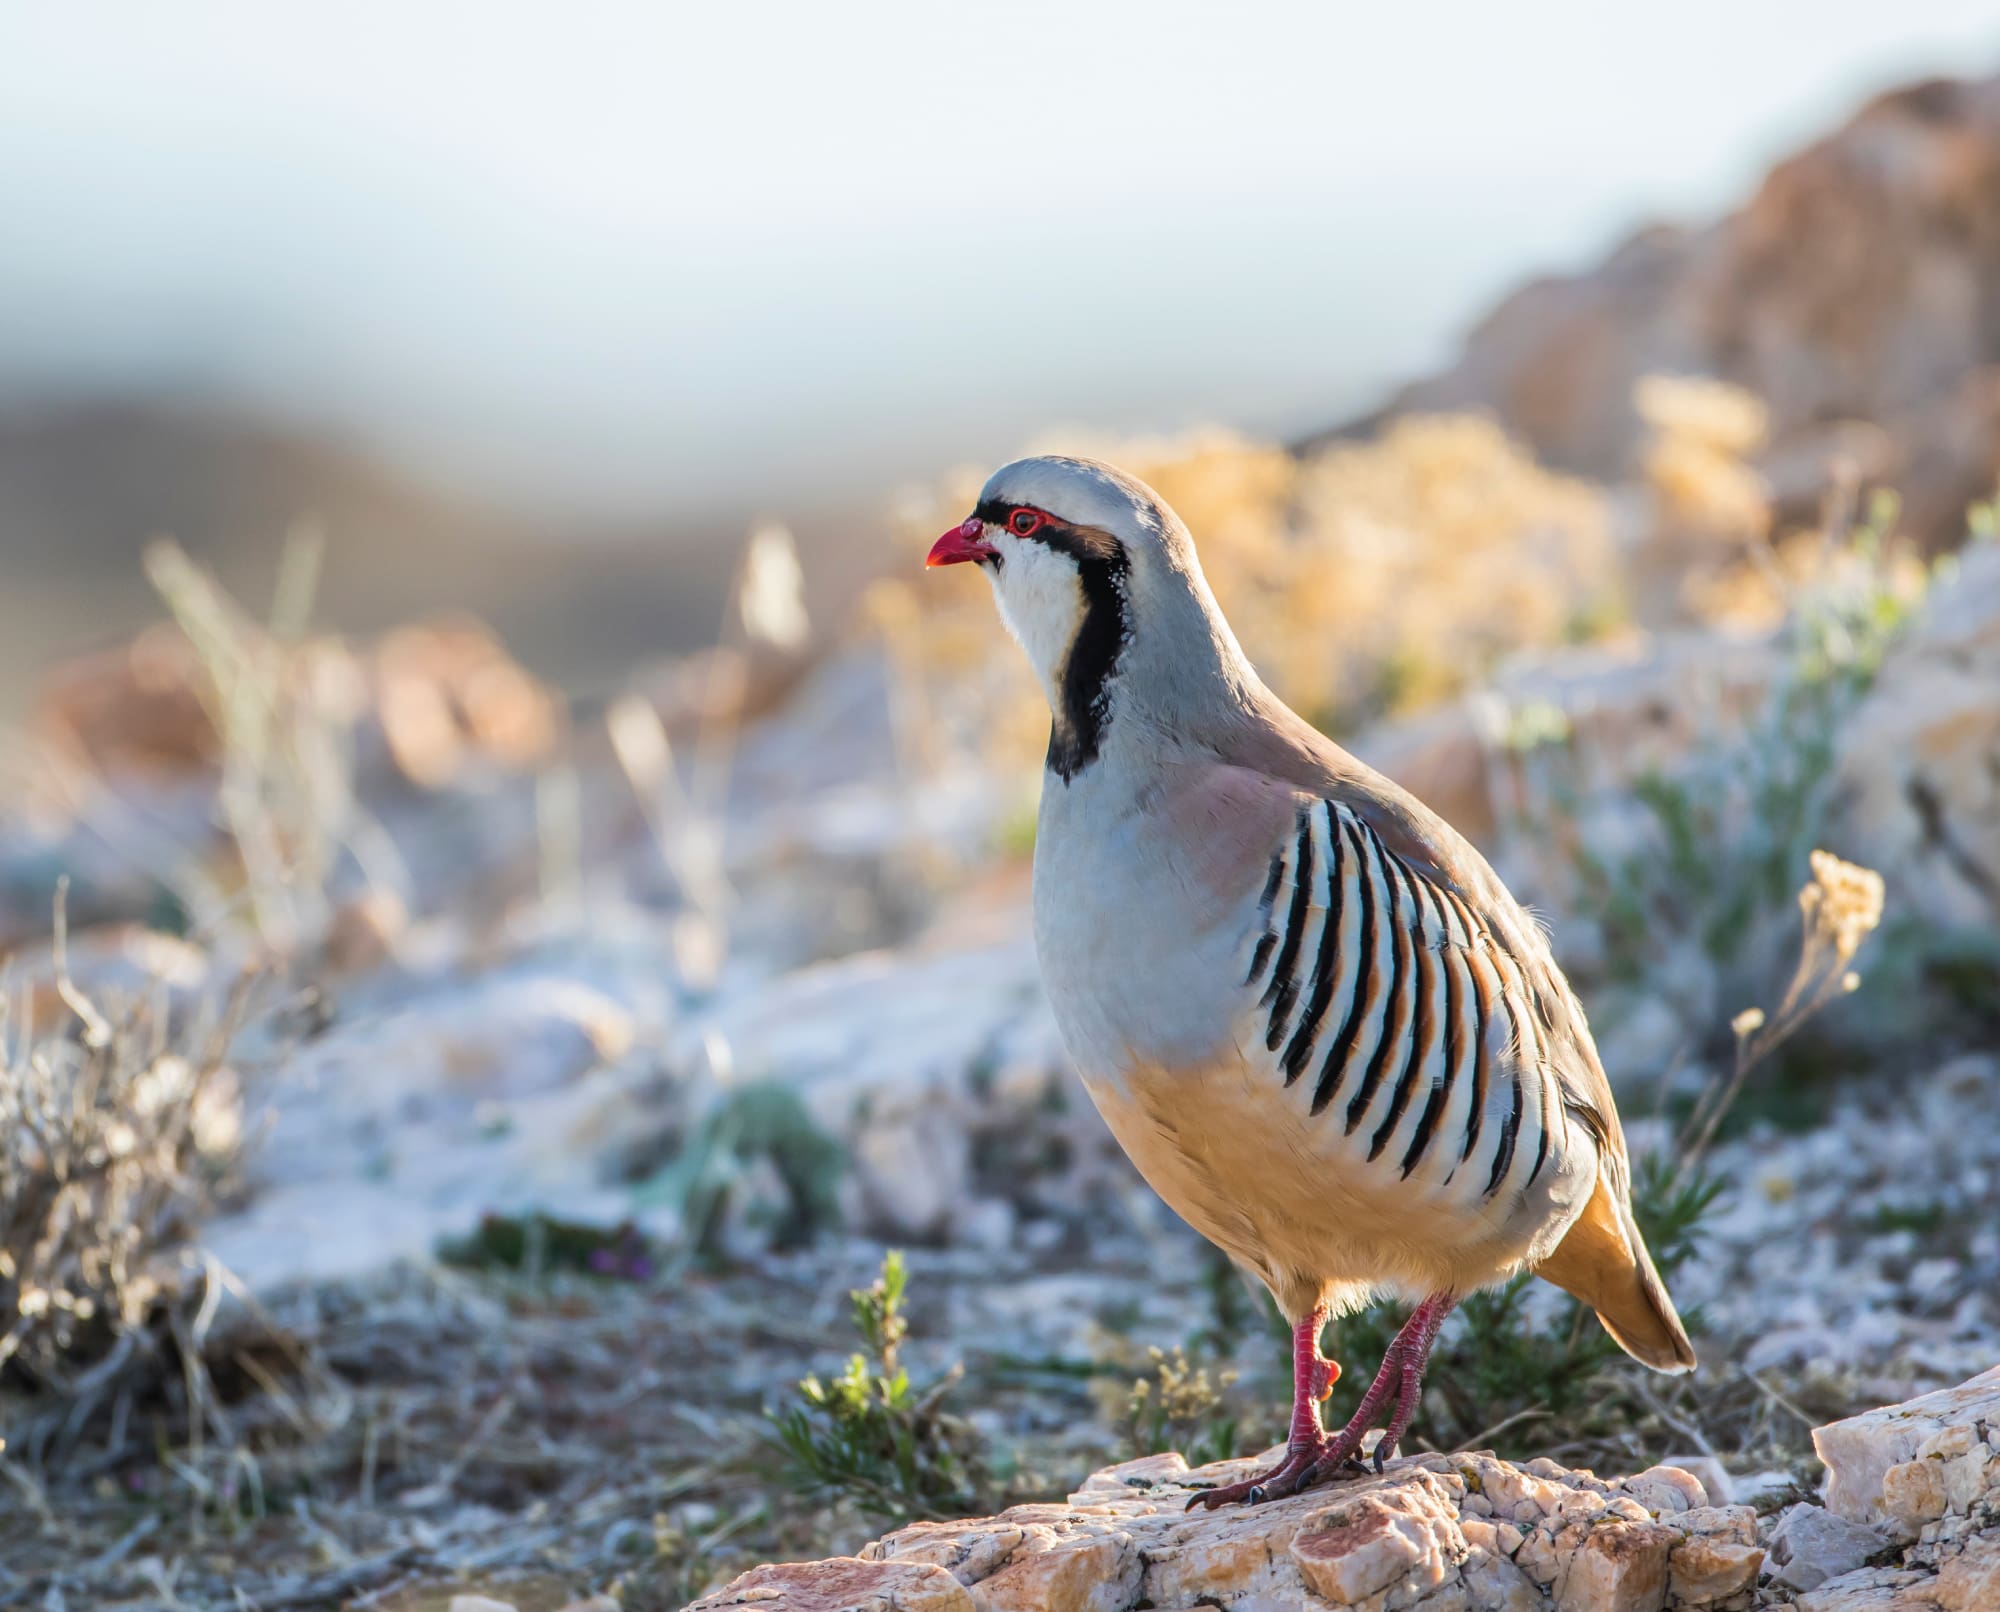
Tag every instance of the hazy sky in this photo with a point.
(707, 256)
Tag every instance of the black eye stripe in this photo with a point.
(995, 513)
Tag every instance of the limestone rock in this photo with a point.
(1811, 1545)
(1929, 1469)
(842, 1584)
(1422, 1536)
(1873, 1589)
(1970, 1582)
(1861, 1452)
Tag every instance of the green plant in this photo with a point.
(869, 1435)
(1727, 832)
(758, 1121)
(534, 1244)
(1181, 1406)
(1921, 1219)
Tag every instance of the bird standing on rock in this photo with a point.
(1307, 1008)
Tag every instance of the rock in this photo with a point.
(479, 1603)
(1929, 1470)
(1400, 1546)
(417, 1113)
(1857, 285)
(940, 1073)
(1704, 1572)
(1405, 1539)
(1811, 1545)
(1874, 1589)
(1913, 1494)
(1861, 1451)
(1709, 1473)
(1918, 781)
(1970, 1582)
(1619, 1567)
(842, 1584)
(1665, 1489)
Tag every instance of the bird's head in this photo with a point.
(1096, 578)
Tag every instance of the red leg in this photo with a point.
(1400, 1378)
(1313, 1377)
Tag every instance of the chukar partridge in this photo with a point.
(1309, 1011)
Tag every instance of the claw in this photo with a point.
(1286, 1478)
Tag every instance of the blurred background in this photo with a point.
(514, 882)
(534, 312)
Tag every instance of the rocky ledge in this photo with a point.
(1912, 1525)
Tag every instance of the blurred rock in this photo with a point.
(427, 1104)
(435, 700)
(1410, 1538)
(1811, 1545)
(448, 698)
(941, 1073)
(842, 1584)
(1920, 760)
(1861, 283)
(115, 966)
(1620, 709)
(135, 710)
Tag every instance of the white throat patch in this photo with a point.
(1040, 595)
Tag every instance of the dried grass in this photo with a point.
(119, 1130)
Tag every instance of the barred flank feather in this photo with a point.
(1419, 1035)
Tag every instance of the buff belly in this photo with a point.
(1290, 1197)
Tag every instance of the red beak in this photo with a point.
(960, 544)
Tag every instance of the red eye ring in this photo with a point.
(1026, 522)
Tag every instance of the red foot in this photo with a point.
(1311, 1458)
(1287, 1477)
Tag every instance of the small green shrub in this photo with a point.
(1729, 829)
(760, 1120)
(535, 1244)
(869, 1435)
(1181, 1406)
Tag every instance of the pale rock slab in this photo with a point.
(1930, 1468)
(842, 1584)
(1861, 1452)
(1410, 1540)
(1464, 1533)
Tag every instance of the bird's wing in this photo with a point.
(1430, 852)
(1603, 1259)
(1422, 1047)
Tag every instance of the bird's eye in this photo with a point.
(1024, 522)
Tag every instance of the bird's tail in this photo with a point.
(1604, 1262)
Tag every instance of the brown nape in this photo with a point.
(1606, 1266)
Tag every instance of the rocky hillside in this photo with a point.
(1857, 294)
